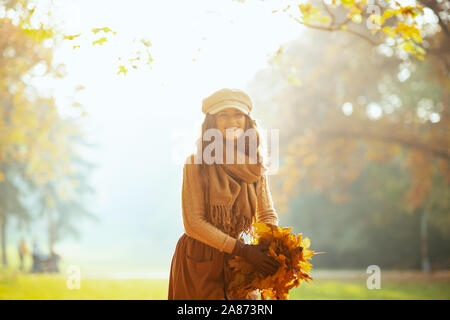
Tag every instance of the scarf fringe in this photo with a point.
(223, 218)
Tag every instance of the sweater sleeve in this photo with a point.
(265, 212)
(194, 212)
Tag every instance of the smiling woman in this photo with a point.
(220, 201)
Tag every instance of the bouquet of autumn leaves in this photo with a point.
(290, 250)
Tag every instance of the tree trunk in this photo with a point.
(424, 241)
(51, 231)
(3, 237)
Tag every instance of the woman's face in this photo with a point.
(232, 119)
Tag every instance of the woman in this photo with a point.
(220, 201)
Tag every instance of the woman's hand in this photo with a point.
(255, 255)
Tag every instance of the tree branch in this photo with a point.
(336, 28)
(333, 18)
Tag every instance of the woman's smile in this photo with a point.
(234, 132)
(231, 121)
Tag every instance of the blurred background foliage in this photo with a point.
(42, 175)
(364, 142)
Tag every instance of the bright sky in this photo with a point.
(229, 41)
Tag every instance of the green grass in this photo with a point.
(14, 285)
(351, 285)
(41, 286)
(357, 290)
(327, 284)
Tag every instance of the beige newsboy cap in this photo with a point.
(227, 98)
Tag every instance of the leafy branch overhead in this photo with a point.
(140, 56)
(383, 20)
(386, 23)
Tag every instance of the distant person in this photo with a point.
(52, 262)
(38, 257)
(23, 251)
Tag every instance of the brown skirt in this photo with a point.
(199, 272)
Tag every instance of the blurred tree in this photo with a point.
(10, 205)
(22, 50)
(345, 102)
(61, 199)
(36, 144)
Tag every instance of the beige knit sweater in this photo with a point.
(193, 209)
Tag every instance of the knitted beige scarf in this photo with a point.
(231, 199)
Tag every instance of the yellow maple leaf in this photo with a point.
(123, 70)
(389, 13)
(389, 31)
(348, 3)
(105, 30)
(99, 41)
(71, 37)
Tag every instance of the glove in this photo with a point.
(254, 254)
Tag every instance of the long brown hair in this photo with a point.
(210, 123)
